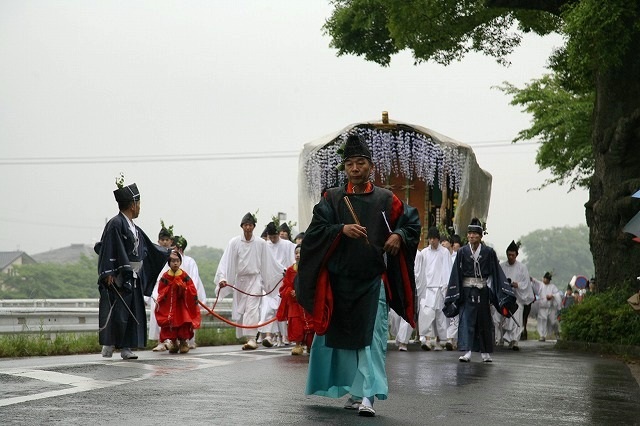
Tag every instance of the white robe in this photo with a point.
(547, 309)
(248, 265)
(284, 251)
(432, 270)
(518, 273)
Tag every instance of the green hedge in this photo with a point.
(604, 318)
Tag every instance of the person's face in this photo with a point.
(248, 228)
(274, 238)
(165, 242)
(284, 235)
(174, 262)
(474, 238)
(511, 257)
(298, 255)
(135, 209)
(456, 246)
(433, 243)
(358, 170)
(298, 240)
(546, 280)
(446, 244)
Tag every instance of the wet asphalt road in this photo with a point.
(227, 386)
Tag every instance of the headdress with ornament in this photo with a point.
(475, 226)
(125, 193)
(249, 218)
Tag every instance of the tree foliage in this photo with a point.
(562, 251)
(52, 281)
(79, 280)
(562, 122)
(599, 65)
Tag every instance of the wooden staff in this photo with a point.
(353, 214)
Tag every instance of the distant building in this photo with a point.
(9, 259)
(69, 254)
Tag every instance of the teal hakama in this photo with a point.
(336, 372)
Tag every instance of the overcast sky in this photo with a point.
(206, 105)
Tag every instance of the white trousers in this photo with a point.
(399, 327)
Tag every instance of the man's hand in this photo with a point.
(293, 293)
(222, 284)
(514, 284)
(354, 231)
(110, 280)
(393, 243)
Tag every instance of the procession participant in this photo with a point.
(190, 266)
(452, 327)
(518, 275)
(362, 240)
(476, 282)
(177, 312)
(165, 239)
(432, 276)
(247, 264)
(300, 325)
(549, 301)
(285, 232)
(128, 264)
(284, 253)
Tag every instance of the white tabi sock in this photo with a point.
(367, 401)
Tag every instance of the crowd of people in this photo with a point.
(352, 278)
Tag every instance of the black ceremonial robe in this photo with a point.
(116, 250)
(475, 329)
(339, 278)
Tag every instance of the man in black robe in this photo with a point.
(476, 281)
(128, 266)
(356, 260)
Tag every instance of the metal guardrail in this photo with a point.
(52, 316)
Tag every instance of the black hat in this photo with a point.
(284, 227)
(127, 193)
(547, 275)
(455, 238)
(300, 235)
(271, 229)
(264, 233)
(355, 146)
(513, 247)
(433, 233)
(180, 242)
(475, 226)
(248, 218)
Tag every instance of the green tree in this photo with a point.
(563, 251)
(207, 259)
(53, 281)
(600, 58)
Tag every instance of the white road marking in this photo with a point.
(79, 384)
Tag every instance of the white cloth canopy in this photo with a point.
(454, 159)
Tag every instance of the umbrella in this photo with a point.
(633, 226)
(581, 282)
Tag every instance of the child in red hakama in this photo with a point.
(177, 309)
(300, 327)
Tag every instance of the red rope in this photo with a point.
(235, 324)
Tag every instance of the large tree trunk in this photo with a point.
(616, 143)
